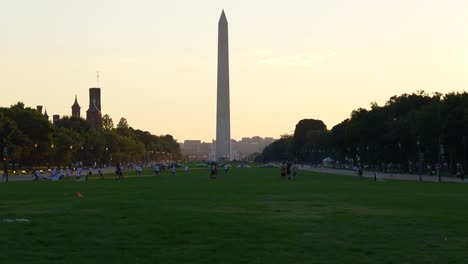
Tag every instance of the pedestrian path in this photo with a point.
(386, 176)
(29, 177)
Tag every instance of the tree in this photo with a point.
(67, 143)
(123, 123)
(11, 138)
(308, 129)
(33, 132)
(77, 124)
(107, 123)
(280, 150)
(308, 138)
(34, 141)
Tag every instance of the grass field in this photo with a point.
(248, 216)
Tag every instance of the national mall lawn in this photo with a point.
(247, 216)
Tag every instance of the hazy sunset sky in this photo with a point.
(289, 60)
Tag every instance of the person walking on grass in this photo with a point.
(288, 170)
(359, 170)
(118, 171)
(186, 169)
(295, 169)
(213, 170)
(173, 170)
(283, 170)
(156, 169)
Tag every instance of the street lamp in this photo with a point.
(71, 148)
(418, 161)
(82, 155)
(464, 159)
(52, 148)
(37, 154)
(5, 163)
(107, 155)
(93, 157)
(400, 157)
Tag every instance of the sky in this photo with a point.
(289, 60)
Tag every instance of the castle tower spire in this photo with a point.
(46, 116)
(76, 108)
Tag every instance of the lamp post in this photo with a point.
(37, 154)
(53, 154)
(71, 159)
(400, 157)
(82, 155)
(107, 155)
(418, 161)
(93, 158)
(439, 160)
(464, 159)
(5, 163)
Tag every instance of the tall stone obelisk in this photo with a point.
(223, 119)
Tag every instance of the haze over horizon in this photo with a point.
(288, 60)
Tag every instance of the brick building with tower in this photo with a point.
(93, 115)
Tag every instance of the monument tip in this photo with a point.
(223, 16)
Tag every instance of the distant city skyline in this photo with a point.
(288, 60)
(243, 149)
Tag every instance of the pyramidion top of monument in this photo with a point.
(223, 19)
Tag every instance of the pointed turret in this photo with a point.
(75, 104)
(46, 116)
(76, 108)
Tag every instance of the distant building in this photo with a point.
(46, 116)
(240, 150)
(76, 109)
(95, 95)
(205, 148)
(196, 150)
(192, 147)
(55, 118)
(93, 115)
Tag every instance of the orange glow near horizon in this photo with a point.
(157, 60)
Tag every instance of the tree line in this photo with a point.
(29, 140)
(411, 132)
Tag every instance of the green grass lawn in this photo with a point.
(248, 216)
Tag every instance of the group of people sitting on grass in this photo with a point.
(58, 174)
(55, 175)
(139, 169)
(286, 169)
(160, 167)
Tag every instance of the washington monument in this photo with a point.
(223, 119)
